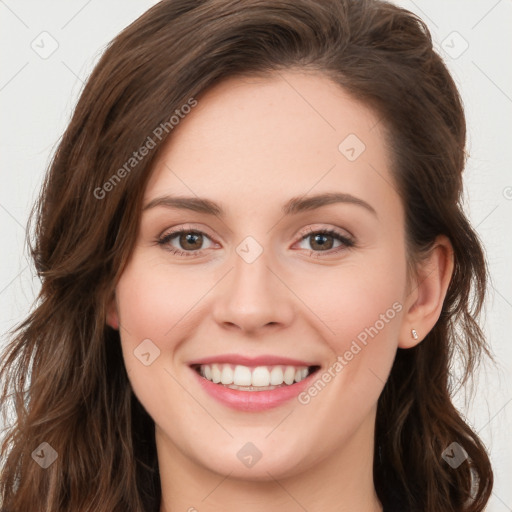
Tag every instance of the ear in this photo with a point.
(112, 314)
(428, 289)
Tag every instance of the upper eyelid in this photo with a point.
(330, 228)
(186, 229)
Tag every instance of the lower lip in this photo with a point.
(253, 400)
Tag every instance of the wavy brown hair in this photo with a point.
(62, 371)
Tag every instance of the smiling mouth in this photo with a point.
(258, 378)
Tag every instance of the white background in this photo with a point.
(37, 96)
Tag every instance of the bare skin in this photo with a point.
(251, 145)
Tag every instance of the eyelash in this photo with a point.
(347, 243)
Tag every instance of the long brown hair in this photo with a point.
(63, 370)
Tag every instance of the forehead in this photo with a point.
(255, 139)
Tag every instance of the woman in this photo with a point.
(255, 274)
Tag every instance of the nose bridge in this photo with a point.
(253, 296)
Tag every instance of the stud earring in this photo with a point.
(414, 334)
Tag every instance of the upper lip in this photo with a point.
(264, 360)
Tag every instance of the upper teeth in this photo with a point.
(259, 376)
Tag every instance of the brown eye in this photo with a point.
(185, 242)
(321, 241)
(191, 241)
(324, 240)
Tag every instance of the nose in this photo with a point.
(253, 297)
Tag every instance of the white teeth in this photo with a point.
(215, 373)
(258, 377)
(242, 376)
(289, 375)
(276, 376)
(226, 375)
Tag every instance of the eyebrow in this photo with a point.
(293, 206)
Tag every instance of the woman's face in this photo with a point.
(277, 281)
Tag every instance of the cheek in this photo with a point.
(360, 306)
(162, 304)
(366, 311)
(357, 301)
(153, 305)
(149, 308)
(152, 301)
